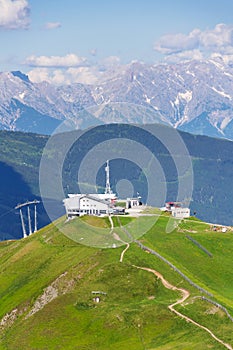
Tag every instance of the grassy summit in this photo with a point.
(47, 280)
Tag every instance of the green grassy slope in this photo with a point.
(52, 271)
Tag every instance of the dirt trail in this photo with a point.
(117, 238)
(124, 251)
(185, 294)
(111, 223)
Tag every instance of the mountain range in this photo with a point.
(194, 96)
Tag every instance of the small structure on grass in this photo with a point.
(97, 294)
(177, 210)
(181, 213)
(96, 300)
(133, 202)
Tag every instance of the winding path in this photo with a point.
(185, 294)
(117, 238)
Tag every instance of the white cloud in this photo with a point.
(52, 25)
(109, 66)
(85, 75)
(57, 76)
(111, 61)
(197, 43)
(220, 37)
(185, 56)
(38, 75)
(173, 43)
(71, 69)
(70, 60)
(14, 14)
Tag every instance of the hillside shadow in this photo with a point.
(13, 190)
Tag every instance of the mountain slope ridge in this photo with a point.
(133, 297)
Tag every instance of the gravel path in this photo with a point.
(185, 294)
(117, 238)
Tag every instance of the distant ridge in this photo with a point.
(194, 96)
(21, 75)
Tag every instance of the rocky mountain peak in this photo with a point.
(194, 96)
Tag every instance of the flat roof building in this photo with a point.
(180, 213)
(86, 204)
(133, 202)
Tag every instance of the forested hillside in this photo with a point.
(20, 157)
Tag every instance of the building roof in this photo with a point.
(78, 197)
(95, 198)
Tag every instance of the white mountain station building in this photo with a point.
(87, 204)
(91, 204)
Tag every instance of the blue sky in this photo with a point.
(68, 41)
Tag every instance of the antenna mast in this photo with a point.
(107, 187)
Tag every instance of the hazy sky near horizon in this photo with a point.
(73, 41)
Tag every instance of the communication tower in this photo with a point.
(107, 187)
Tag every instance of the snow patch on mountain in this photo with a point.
(190, 73)
(148, 100)
(22, 95)
(217, 64)
(194, 95)
(220, 92)
(187, 96)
